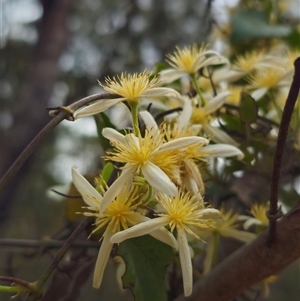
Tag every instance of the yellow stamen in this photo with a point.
(130, 86)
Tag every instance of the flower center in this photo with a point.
(183, 211)
(185, 59)
(199, 116)
(268, 77)
(129, 86)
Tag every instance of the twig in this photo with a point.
(49, 243)
(61, 114)
(16, 280)
(274, 212)
(39, 284)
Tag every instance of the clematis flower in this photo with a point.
(157, 160)
(192, 113)
(191, 116)
(259, 218)
(269, 78)
(226, 226)
(126, 87)
(188, 61)
(252, 61)
(181, 212)
(119, 215)
(190, 174)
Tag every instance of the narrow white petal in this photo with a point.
(259, 93)
(216, 102)
(221, 150)
(193, 172)
(210, 213)
(218, 135)
(169, 75)
(203, 58)
(182, 142)
(238, 234)
(160, 92)
(185, 262)
(125, 177)
(190, 185)
(184, 117)
(97, 107)
(216, 60)
(158, 179)
(224, 74)
(165, 236)
(140, 229)
(209, 254)
(89, 194)
(150, 123)
(102, 258)
(113, 135)
(250, 222)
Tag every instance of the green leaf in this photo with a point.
(233, 124)
(105, 175)
(103, 121)
(252, 24)
(107, 171)
(248, 108)
(146, 261)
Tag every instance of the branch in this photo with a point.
(61, 115)
(274, 213)
(251, 264)
(47, 243)
(38, 285)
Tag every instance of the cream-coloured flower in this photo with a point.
(181, 212)
(193, 113)
(127, 87)
(226, 226)
(190, 175)
(119, 215)
(188, 61)
(269, 78)
(157, 160)
(254, 60)
(259, 218)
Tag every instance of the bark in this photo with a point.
(30, 114)
(251, 263)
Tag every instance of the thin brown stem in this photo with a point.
(60, 115)
(37, 293)
(47, 243)
(16, 280)
(274, 212)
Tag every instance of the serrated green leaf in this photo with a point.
(253, 24)
(248, 108)
(146, 260)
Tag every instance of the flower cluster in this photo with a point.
(171, 161)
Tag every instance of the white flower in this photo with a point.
(182, 212)
(259, 216)
(150, 155)
(269, 78)
(188, 61)
(119, 215)
(226, 227)
(126, 87)
(190, 174)
(195, 114)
